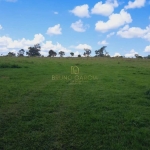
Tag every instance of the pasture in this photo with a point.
(38, 112)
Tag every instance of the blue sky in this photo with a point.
(70, 26)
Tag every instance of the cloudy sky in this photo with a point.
(72, 25)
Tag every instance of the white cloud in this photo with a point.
(110, 34)
(4, 41)
(104, 9)
(134, 32)
(54, 30)
(1, 27)
(115, 21)
(78, 26)
(83, 46)
(56, 47)
(131, 53)
(102, 43)
(76, 53)
(38, 38)
(117, 54)
(147, 49)
(127, 32)
(81, 11)
(7, 44)
(147, 35)
(55, 12)
(135, 4)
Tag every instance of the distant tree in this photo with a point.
(107, 55)
(61, 53)
(84, 54)
(11, 54)
(79, 55)
(37, 46)
(137, 56)
(21, 52)
(148, 57)
(34, 51)
(72, 54)
(101, 52)
(118, 56)
(87, 52)
(52, 53)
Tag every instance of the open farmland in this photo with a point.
(38, 112)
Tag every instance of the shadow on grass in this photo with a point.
(8, 65)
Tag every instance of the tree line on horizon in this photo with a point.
(35, 52)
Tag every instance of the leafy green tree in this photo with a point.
(72, 54)
(11, 54)
(87, 52)
(79, 55)
(84, 54)
(21, 52)
(148, 57)
(34, 51)
(61, 53)
(107, 54)
(137, 56)
(101, 52)
(52, 53)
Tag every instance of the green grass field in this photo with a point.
(110, 113)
